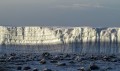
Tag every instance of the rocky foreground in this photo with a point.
(58, 62)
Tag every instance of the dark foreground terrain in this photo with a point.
(58, 62)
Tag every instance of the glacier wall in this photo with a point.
(58, 35)
(60, 39)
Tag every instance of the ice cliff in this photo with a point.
(58, 35)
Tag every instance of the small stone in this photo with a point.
(27, 68)
(53, 61)
(71, 62)
(13, 54)
(77, 58)
(112, 56)
(106, 58)
(88, 69)
(67, 55)
(56, 57)
(43, 61)
(113, 60)
(82, 69)
(61, 64)
(47, 69)
(46, 54)
(35, 69)
(109, 68)
(19, 68)
(11, 58)
(93, 57)
(94, 67)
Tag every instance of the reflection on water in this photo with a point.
(63, 48)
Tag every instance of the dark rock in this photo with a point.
(56, 57)
(19, 68)
(106, 58)
(3, 69)
(82, 69)
(35, 69)
(103, 70)
(113, 60)
(2, 60)
(13, 54)
(53, 61)
(109, 68)
(112, 56)
(94, 67)
(71, 62)
(61, 64)
(67, 56)
(46, 54)
(11, 58)
(47, 69)
(27, 68)
(88, 70)
(77, 58)
(93, 57)
(43, 61)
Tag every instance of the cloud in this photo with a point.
(80, 6)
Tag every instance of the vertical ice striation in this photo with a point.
(62, 39)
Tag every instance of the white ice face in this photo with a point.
(60, 39)
(55, 35)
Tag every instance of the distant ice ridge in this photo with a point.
(58, 35)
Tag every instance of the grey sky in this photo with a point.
(96, 13)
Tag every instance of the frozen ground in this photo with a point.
(59, 58)
(58, 62)
(85, 46)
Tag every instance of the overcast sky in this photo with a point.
(95, 13)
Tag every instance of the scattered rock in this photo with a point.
(47, 69)
(2, 69)
(43, 61)
(46, 54)
(113, 60)
(71, 62)
(19, 68)
(94, 67)
(93, 57)
(11, 58)
(112, 56)
(35, 69)
(88, 70)
(106, 58)
(53, 61)
(109, 68)
(77, 58)
(27, 68)
(61, 64)
(82, 69)
(13, 54)
(56, 57)
(67, 55)
(2, 60)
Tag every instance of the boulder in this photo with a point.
(47, 69)
(94, 67)
(42, 61)
(35, 69)
(19, 68)
(27, 68)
